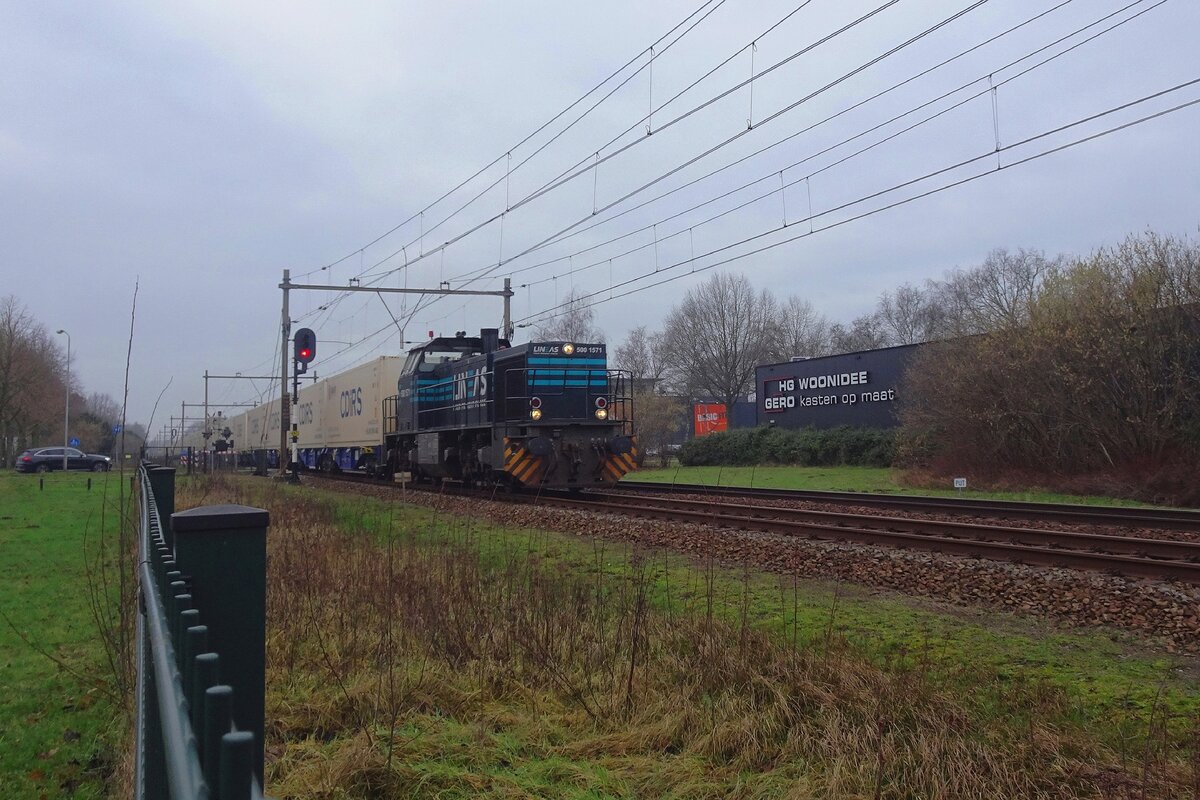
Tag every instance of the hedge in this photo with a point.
(809, 447)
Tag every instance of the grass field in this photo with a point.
(57, 721)
(844, 479)
(467, 659)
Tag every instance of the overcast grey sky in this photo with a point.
(202, 147)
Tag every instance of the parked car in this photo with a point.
(44, 459)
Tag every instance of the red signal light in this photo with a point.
(305, 347)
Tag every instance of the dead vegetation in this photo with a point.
(416, 660)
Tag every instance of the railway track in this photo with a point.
(1128, 555)
(1105, 552)
(1168, 518)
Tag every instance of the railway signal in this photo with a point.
(305, 351)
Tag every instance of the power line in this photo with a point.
(776, 172)
(563, 180)
(529, 136)
(416, 310)
(508, 206)
(566, 233)
(576, 171)
(770, 118)
(835, 82)
(988, 155)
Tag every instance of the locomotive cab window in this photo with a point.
(427, 358)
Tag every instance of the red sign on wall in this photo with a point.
(709, 418)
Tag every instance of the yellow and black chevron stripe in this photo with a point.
(618, 465)
(521, 464)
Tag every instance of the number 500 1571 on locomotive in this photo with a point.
(540, 414)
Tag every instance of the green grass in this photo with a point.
(1106, 681)
(845, 479)
(56, 720)
(1106, 672)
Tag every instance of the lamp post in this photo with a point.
(67, 412)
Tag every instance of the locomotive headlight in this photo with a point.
(536, 414)
(601, 402)
(568, 348)
(601, 413)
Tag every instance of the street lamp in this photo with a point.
(67, 412)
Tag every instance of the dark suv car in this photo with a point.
(44, 459)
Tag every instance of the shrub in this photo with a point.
(868, 447)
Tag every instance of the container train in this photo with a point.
(472, 409)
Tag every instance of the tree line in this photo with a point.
(1064, 364)
(1081, 368)
(33, 369)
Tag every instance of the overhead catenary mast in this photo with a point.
(506, 327)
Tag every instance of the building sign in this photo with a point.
(846, 388)
(857, 389)
(709, 418)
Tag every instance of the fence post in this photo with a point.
(224, 550)
(162, 483)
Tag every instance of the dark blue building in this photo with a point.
(861, 389)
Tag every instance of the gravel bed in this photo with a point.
(1162, 610)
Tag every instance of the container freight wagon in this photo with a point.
(340, 419)
(541, 414)
(262, 428)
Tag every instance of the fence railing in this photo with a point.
(201, 647)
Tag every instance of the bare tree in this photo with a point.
(14, 321)
(658, 420)
(104, 407)
(907, 315)
(642, 355)
(31, 387)
(800, 331)
(1006, 285)
(864, 333)
(717, 335)
(575, 322)
(995, 295)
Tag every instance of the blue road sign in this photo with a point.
(74, 442)
(116, 428)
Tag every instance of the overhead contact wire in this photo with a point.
(529, 136)
(849, 156)
(560, 309)
(569, 232)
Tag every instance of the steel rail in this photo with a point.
(1170, 518)
(715, 514)
(1038, 555)
(1167, 549)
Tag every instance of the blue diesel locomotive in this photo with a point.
(541, 414)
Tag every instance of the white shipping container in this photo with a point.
(351, 404)
(343, 411)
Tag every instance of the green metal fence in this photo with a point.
(201, 647)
